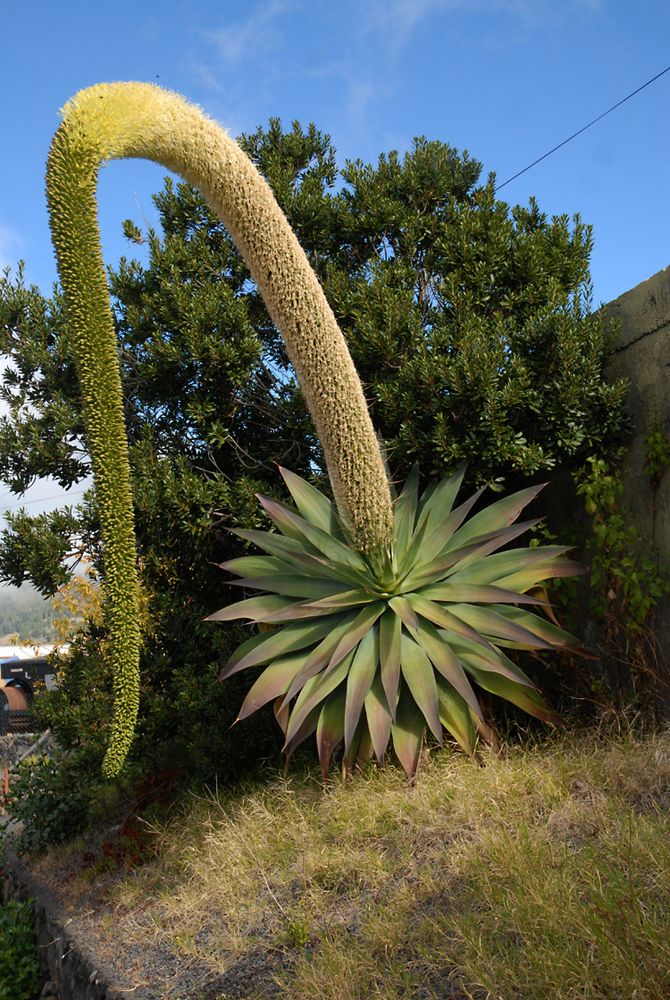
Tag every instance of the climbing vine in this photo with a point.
(626, 578)
(657, 461)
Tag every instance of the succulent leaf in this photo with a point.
(282, 714)
(290, 586)
(312, 504)
(456, 557)
(446, 663)
(359, 682)
(287, 640)
(321, 657)
(276, 545)
(319, 566)
(274, 681)
(438, 537)
(455, 716)
(440, 495)
(495, 569)
(552, 634)
(495, 626)
(486, 657)
(406, 564)
(296, 611)
(360, 749)
(526, 697)
(551, 569)
(393, 642)
(499, 515)
(405, 612)
(330, 729)
(315, 690)
(257, 565)
(407, 734)
(359, 628)
(442, 616)
(390, 631)
(471, 594)
(379, 717)
(254, 608)
(297, 527)
(304, 732)
(344, 599)
(419, 676)
(405, 514)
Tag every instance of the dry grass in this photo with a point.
(543, 874)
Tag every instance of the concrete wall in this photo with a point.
(643, 357)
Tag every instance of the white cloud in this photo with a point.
(401, 16)
(260, 42)
(205, 76)
(395, 20)
(258, 33)
(226, 53)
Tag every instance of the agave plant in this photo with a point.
(379, 646)
(384, 622)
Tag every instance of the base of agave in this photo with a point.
(368, 649)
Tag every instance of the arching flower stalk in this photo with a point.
(119, 120)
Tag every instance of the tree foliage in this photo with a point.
(469, 322)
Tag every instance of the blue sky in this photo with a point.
(504, 79)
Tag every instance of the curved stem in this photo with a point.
(141, 120)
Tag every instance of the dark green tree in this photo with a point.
(469, 322)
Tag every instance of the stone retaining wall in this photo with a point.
(15, 746)
(70, 973)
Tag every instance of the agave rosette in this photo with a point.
(369, 648)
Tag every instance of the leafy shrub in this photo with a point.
(19, 966)
(52, 797)
(186, 714)
(627, 581)
(626, 578)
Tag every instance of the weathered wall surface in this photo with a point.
(643, 357)
(69, 968)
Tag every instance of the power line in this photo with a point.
(575, 134)
(57, 496)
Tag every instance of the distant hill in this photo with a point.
(25, 612)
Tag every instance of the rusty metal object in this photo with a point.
(17, 698)
(14, 706)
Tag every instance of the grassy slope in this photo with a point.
(544, 873)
